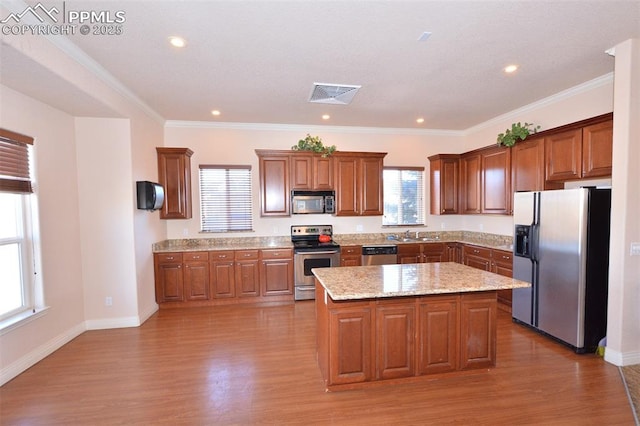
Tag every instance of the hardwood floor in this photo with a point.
(239, 365)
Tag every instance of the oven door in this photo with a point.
(303, 264)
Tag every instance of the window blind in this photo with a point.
(403, 196)
(225, 198)
(14, 162)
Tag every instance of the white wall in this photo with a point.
(57, 183)
(623, 327)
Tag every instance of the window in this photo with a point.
(18, 285)
(403, 196)
(225, 198)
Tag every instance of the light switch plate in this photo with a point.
(635, 249)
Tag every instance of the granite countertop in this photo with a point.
(253, 243)
(419, 279)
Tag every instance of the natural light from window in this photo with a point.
(10, 253)
(403, 196)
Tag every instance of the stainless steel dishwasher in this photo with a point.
(382, 254)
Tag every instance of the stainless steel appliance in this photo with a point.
(313, 247)
(309, 202)
(561, 246)
(385, 254)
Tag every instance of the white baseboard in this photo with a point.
(621, 359)
(12, 370)
(122, 322)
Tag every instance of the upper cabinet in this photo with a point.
(174, 174)
(470, 183)
(358, 183)
(355, 176)
(311, 172)
(527, 165)
(495, 168)
(583, 151)
(275, 189)
(444, 170)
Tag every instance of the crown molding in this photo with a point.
(309, 128)
(557, 97)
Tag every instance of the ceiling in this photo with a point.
(256, 61)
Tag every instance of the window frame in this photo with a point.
(420, 194)
(246, 201)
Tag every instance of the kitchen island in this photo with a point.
(393, 323)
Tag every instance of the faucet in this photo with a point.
(407, 234)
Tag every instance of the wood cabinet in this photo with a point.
(478, 315)
(453, 252)
(476, 257)
(437, 334)
(471, 183)
(395, 329)
(174, 174)
(358, 183)
(311, 172)
(527, 165)
(205, 278)
(169, 280)
(496, 180)
(400, 338)
(275, 189)
(581, 152)
(276, 272)
(350, 255)
(502, 264)
(422, 253)
(196, 275)
(444, 171)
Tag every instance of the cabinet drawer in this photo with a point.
(221, 255)
(277, 254)
(169, 257)
(196, 256)
(351, 250)
(246, 254)
(477, 251)
(502, 256)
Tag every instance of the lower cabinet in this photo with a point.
(422, 253)
(396, 338)
(477, 257)
(223, 277)
(493, 260)
(350, 255)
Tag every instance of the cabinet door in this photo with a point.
(527, 165)
(434, 252)
(478, 313)
(470, 184)
(169, 280)
(276, 277)
(394, 340)
(247, 278)
(409, 253)
(563, 155)
(597, 149)
(444, 172)
(301, 171)
(322, 173)
(221, 274)
(350, 335)
(477, 257)
(496, 189)
(454, 252)
(174, 174)
(371, 186)
(275, 194)
(437, 334)
(196, 276)
(346, 181)
(350, 255)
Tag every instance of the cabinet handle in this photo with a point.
(169, 257)
(247, 255)
(196, 257)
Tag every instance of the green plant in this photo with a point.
(314, 143)
(517, 131)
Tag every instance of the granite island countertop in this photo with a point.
(418, 279)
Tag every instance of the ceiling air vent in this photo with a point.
(340, 94)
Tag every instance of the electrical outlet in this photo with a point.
(359, 228)
(442, 226)
(635, 249)
(481, 227)
(108, 301)
(185, 232)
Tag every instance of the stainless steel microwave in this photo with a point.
(313, 202)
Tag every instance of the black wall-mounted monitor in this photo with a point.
(150, 195)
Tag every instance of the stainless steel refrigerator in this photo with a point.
(561, 246)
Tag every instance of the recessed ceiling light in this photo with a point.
(510, 68)
(326, 117)
(420, 120)
(177, 41)
(215, 112)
